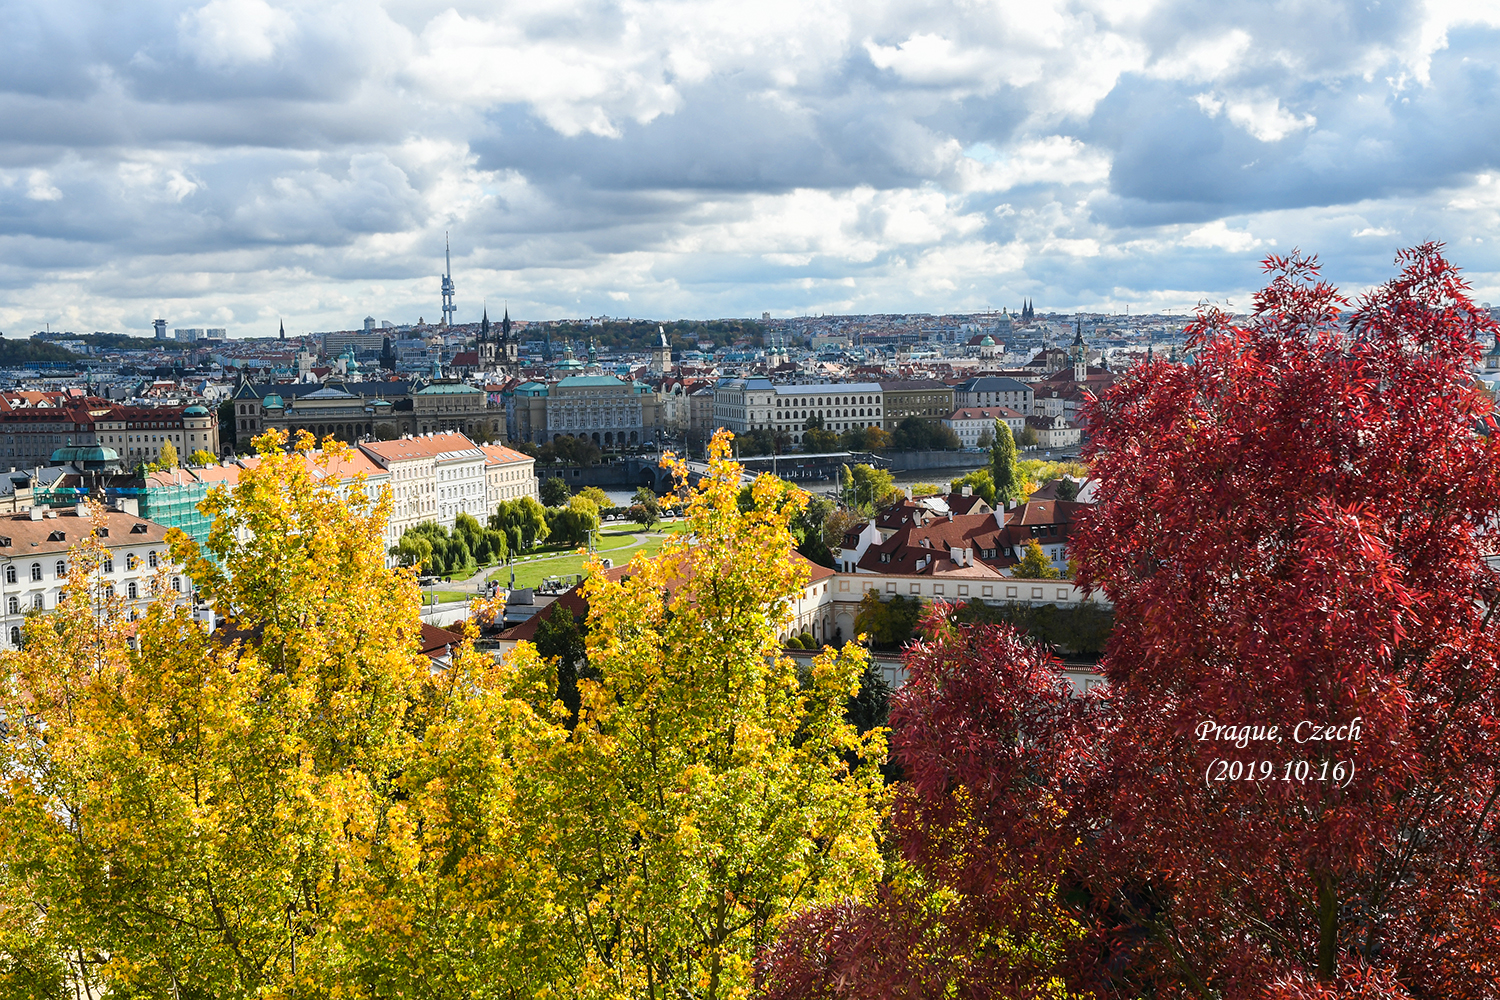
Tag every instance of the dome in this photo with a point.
(195, 411)
(988, 341)
(273, 402)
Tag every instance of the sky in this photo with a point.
(237, 163)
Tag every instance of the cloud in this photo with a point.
(235, 32)
(243, 159)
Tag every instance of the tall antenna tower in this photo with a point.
(448, 309)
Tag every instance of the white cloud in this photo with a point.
(39, 187)
(711, 157)
(1218, 236)
(1262, 117)
(231, 33)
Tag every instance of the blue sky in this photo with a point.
(232, 162)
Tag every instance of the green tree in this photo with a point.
(916, 434)
(866, 484)
(888, 624)
(202, 459)
(926, 489)
(1034, 564)
(815, 438)
(168, 459)
(414, 550)
(980, 481)
(523, 520)
(703, 795)
(1003, 471)
(645, 509)
(597, 497)
(573, 524)
(555, 492)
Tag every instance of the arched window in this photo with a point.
(109, 565)
(15, 636)
(177, 584)
(151, 559)
(36, 571)
(10, 574)
(131, 591)
(109, 591)
(36, 602)
(61, 569)
(13, 605)
(130, 560)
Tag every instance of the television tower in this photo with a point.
(448, 308)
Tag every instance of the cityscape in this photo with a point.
(816, 503)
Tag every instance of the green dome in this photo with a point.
(273, 401)
(195, 411)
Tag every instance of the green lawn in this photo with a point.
(532, 573)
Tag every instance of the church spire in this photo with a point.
(484, 324)
(283, 329)
(505, 323)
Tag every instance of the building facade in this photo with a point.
(433, 477)
(991, 390)
(971, 423)
(508, 475)
(928, 399)
(35, 553)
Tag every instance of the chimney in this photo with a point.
(36, 513)
(968, 491)
(82, 510)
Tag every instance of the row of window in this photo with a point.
(60, 568)
(132, 592)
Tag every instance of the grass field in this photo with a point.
(532, 573)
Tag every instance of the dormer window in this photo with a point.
(139, 528)
(58, 536)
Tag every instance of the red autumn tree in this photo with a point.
(1294, 528)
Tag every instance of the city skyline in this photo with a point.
(232, 163)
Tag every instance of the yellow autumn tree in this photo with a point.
(246, 813)
(710, 788)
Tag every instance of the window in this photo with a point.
(131, 591)
(151, 559)
(13, 606)
(15, 636)
(36, 571)
(177, 584)
(109, 591)
(109, 565)
(36, 602)
(10, 574)
(130, 560)
(61, 568)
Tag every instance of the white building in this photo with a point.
(508, 475)
(34, 554)
(971, 422)
(434, 477)
(745, 404)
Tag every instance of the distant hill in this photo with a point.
(20, 352)
(121, 342)
(638, 335)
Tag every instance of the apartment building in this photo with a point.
(35, 552)
(508, 475)
(433, 477)
(745, 404)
